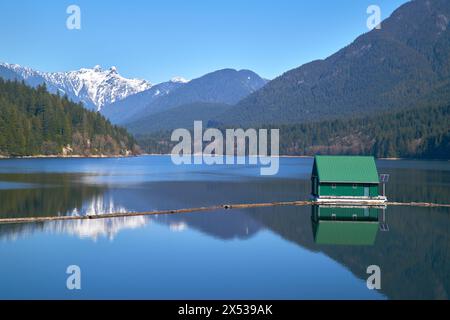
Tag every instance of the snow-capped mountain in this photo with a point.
(126, 101)
(95, 88)
(30, 76)
(23, 72)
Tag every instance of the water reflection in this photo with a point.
(84, 229)
(68, 194)
(345, 225)
(93, 229)
(221, 225)
(61, 195)
(414, 255)
(45, 195)
(417, 181)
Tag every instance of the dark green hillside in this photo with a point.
(382, 70)
(422, 132)
(35, 122)
(416, 133)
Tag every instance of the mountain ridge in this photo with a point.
(225, 86)
(381, 70)
(95, 87)
(131, 107)
(125, 101)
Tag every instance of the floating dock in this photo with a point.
(350, 201)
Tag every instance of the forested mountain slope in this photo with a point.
(382, 70)
(35, 122)
(422, 132)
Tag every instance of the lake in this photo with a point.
(264, 253)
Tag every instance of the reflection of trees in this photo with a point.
(61, 194)
(53, 194)
(406, 185)
(414, 255)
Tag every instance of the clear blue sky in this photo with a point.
(156, 40)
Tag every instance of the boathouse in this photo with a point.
(345, 178)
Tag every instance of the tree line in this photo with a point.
(35, 122)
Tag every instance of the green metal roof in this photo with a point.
(346, 169)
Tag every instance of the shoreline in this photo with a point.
(102, 156)
(312, 157)
(2, 157)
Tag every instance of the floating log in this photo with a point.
(419, 204)
(208, 209)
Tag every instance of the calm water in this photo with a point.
(270, 253)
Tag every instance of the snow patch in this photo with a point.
(442, 22)
(179, 80)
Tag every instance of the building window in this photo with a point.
(333, 186)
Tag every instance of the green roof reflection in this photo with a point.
(345, 226)
(345, 233)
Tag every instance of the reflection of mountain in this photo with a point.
(413, 256)
(60, 194)
(63, 195)
(98, 205)
(94, 229)
(103, 204)
(222, 225)
(191, 194)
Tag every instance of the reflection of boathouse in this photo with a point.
(346, 179)
(345, 225)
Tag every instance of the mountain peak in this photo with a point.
(113, 69)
